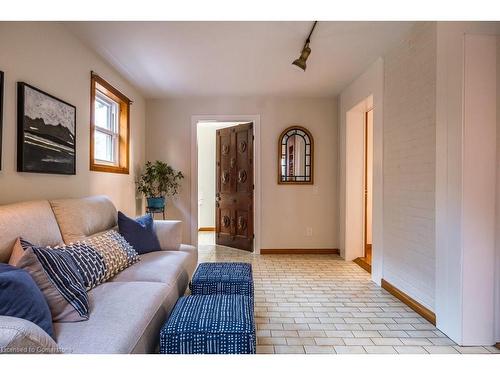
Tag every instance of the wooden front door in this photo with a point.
(234, 190)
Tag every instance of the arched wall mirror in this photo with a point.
(295, 156)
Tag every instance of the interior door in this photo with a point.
(234, 190)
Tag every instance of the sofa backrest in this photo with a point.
(84, 217)
(52, 223)
(34, 221)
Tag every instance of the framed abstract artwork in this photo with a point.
(46, 132)
(1, 116)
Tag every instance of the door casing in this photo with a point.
(195, 119)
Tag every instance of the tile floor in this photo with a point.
(321, 304)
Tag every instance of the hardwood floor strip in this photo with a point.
(363, 264)
(299, 251)
(206, 229)
(416, 306)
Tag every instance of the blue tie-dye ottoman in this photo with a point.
(223, 278)
(210, 324)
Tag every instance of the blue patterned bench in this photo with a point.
(210, 324)
(223, 278)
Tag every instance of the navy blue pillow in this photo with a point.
(20, 297)
(139, 233)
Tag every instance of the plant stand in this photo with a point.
(154, 210)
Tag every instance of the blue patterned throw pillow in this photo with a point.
(139, 233)
(20, 297)
(61, 271)
(118, 254)
(89, 263)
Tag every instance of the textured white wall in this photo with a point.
(409, 164)
(47, 56)
(286, 210)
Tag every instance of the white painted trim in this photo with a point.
(257, 172)
(465, 194)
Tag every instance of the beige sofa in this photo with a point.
(127, 312)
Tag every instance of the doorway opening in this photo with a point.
(225, 183)
(359, 182)
(366, 260)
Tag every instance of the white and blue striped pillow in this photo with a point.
(89, 263)
(64, 275)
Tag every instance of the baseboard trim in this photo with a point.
(206, 229)
(299, 251)
(410, 302)
(362, 263)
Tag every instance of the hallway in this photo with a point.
(322, 304)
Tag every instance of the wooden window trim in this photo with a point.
(123, 167)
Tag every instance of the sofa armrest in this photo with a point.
(169, 233)
(24, 337)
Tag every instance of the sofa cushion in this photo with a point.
(121, 314)
(169, 233)
(192, 260)
(168, 267)
(21, 298)
(33, 221)
(139, 232)
(83, 217)
(58, 278)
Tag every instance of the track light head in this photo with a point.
(301, 61)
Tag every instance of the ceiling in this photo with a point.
(178, 59)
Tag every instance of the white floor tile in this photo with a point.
(322, 304)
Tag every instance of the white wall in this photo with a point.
(368, 85)
(47, 56)
(206, 176)
(465, 139)
(478, 189)
(287, 210)
(409, 164)
(497, 268)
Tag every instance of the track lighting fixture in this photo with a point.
(306, 51)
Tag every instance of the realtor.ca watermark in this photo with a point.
(33, 350)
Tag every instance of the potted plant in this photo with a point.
(157, 181)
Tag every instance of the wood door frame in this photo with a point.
(193, 176)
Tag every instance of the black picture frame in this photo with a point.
(46, 132)
(1, 115)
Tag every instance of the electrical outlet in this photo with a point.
(309, 232)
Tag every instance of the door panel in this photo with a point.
(223, 161)
(234, 191)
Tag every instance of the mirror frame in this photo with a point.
(280, 140)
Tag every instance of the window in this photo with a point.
(109, 133)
